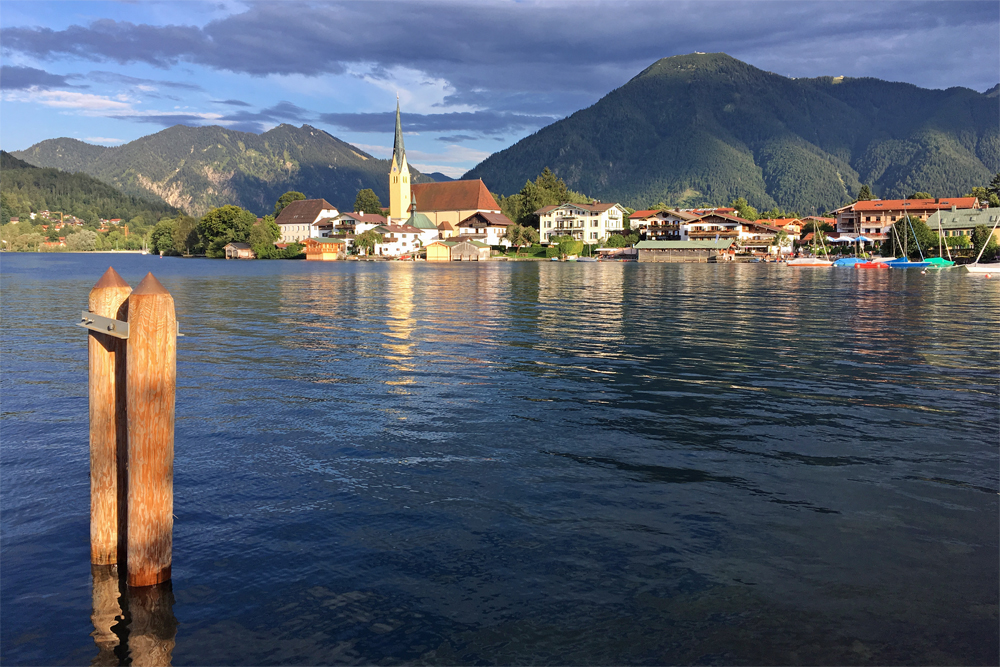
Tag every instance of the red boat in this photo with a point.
(871, 265)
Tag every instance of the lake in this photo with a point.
(522, 463)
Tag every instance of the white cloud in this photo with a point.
(62, 99)
(453, 153)
(382, 152)
(418, 91)
(448, 170)
(103, 140)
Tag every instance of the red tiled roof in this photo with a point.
(303, 211)
(453, 196)
(367, 217)
(446, 226)
(399, 229)
(911, 204)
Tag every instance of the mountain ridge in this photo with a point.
(707, 128)
(199, 168)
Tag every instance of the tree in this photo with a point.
(161, 239)
(367, 201)
(994, 186)
(744, 210)
(616, 241)
(921, 195)
(186, 239)
(286, 199)
(982, 235)
(985, 196)
(906, 236)
(865, 193)
(367, 241)
(782, 241)
(82, 240)
(263, 237)
(520, 236)
(223, 225)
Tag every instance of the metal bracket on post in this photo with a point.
(104, 325)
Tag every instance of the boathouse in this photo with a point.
(239, 251)
(682, 251)
(326, 249)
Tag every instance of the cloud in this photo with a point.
(86, 103)
(485, 122)
(22, 78)
(142, 84)
(103, 140)
(232, 103)
(170, 119)
(281, 111)
(548, 58)
(457, 138)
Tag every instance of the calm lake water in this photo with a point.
(523, 463)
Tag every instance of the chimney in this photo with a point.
(937, 200)
(954, 208)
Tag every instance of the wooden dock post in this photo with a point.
(151, 384)
(108, 431)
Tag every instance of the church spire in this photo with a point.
(399, 175)
(398, 152)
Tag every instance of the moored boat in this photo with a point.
(809, 261)
(849, 262)
(871, 265)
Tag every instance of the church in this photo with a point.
(444, 205)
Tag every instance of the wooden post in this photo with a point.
(151, 383)
(153, 626)
(108, 431)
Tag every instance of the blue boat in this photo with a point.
(849, 262)
(904, 263)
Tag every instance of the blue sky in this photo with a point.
(472, 77)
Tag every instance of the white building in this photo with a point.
(397, 240)
(585, 222)
(297, 219)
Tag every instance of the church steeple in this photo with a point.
(399, 174)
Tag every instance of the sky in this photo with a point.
(472, 76)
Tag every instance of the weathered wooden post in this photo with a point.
(151, 384)
(108, 431)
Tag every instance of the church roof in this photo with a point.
(454, 196)
(420, 221)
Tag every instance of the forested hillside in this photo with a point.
(25, 188)
(199, 168)
(707, 128)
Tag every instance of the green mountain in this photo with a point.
(199, 168)
(707, 128)
(25, 187)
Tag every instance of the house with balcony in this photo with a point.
(584, 222)
(660, 224)
(874, 218)
(488, 228)
(713, 225)
(397, 240)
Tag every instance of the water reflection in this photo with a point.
(137, 628)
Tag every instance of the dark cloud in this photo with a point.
(21, 78)
(281, 111)
(166, 120)
(554, 58)
(484, 122)
(113, 77)
(457, 138)
(232, 103)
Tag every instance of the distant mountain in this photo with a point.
(199, 168)
(439, 177)
(25, 187)
(707, 128)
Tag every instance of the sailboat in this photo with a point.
(812, 261)
(940, 262)
(976, 267)
(904, 261)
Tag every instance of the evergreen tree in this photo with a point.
(865, 193)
